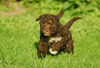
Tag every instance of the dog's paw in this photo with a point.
(53, 52)
(40, 54)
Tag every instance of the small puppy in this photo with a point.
(54, 37)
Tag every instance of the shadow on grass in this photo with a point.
(36, 45)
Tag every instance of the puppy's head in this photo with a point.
(49, 23)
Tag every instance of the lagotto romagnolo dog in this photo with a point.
(54, 37)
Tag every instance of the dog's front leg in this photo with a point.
(57, 45)
(42, 48)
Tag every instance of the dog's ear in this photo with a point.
(60, 14)
(38, 19)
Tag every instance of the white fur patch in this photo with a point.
(53, 52)
(55, 39)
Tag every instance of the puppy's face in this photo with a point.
(48, 24)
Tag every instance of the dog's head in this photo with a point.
(49, 23)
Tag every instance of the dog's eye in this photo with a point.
(43, 22)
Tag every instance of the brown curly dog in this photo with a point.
(54, 37)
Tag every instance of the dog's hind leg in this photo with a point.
(70, 47)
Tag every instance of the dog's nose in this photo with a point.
(47, 30)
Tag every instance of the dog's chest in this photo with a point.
(54, 39)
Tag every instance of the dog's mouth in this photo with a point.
(47, 34)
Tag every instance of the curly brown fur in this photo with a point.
(53, 35)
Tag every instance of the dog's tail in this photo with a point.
(70, 22)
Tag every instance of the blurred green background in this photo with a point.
(19, 33)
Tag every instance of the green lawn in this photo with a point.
(19, 35)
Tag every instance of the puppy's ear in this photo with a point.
(38, 19)
(60, 14)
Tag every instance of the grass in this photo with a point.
(19, 35)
